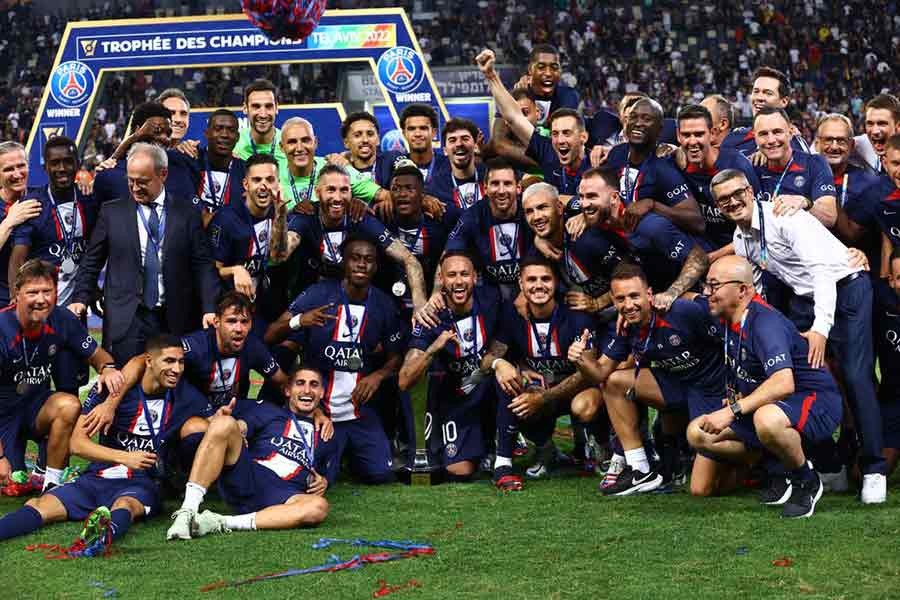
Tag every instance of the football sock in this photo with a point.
(637, 460)
(25, 520)
(193, 496)
(502, 461)
(245, 522)
(802, 473)
(52, 476)
(121, 521)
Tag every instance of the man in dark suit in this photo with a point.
(160, 270)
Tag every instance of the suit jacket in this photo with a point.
(189, 275)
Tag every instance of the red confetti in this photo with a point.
(782, 562)
(386, 589)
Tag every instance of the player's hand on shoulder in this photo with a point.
(323, 424)
(105, 165)
(77, 308)
(663, 301)
(304, 207)
(856, 258)
(663, 150)
(357, 210)
(23, 210)
(599, 155)
(758, 159)
(428, 315)
(337, 159)
(384, 210)
(576, 225)
(433, 207)
(547, 249)
(188, 147)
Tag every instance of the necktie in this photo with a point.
(151, 261)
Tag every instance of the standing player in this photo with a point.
(703, 160)
(320, 235)
(457, 181)
(59, 236)
(178, 104)
(771, 89)
(14, 209)
(504, 142)
(418, 124)
(543, 81)
(888, 193)
(562, 157)
(881, 120)
(240, 235)
(32, 332)
(459, 390)
(215, 172)
(126, 464)
(262, 137)
(792, 180)
(677, 367)
(722, 113)
(775, 399)
(271, 464)
(533, 349)
(349, 332)
(887, 323)
(494, 230)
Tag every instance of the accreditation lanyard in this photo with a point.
(844, 185)
(639, 356)
(272, 147)
(412, 241)
(309, 188)
(348, 316)
(731, 383)
(154, 237)
(68, 237)
(510, 243)
(544, 349)
(632, 186)
(307, 450)
(211, 186)
(155, 436)
(763, 246)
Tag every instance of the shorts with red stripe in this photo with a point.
(82, 496)
(17, 427)
(815, 415)
(249, 487)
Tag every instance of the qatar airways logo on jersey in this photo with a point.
(34, 375)
(292, 449)
(677, 363)
(739, 370)
(254, 265)
(344, 356)
(508, 272)
(465, 366)
(134, 443)
(711, 214)
(554, 366)
(895, 232)
(893, 339)
(58, 249)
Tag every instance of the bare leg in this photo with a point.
(56, 420)
(300, 510)
(775, 432)
(623, 413)
(221, 446)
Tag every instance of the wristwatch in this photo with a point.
(735, 409)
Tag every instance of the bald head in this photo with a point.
(731, 268)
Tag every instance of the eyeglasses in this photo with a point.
(732, 196)
(840, 142)
(714, 286)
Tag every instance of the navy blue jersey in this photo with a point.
(475, 330)
(380, 171)
(564, 179)
(110, 184)
(352, 345)
(324, 256)
(563, 96)
(684, 342)
(220, 377)
(661, 248)
(743, 140)
(59, 235)
(287, 444)
(498, 245)
(655, 178)
(5, 253)
(137, 415)
(719, 230)
(766, 343)
(887, 334)
(426, 242)
(239, 238)
(389, 160)
(26, 363)
(807, 175)
(887, 212)
(458, 193)
(542, 344)
(588, 262)
(860, 199)
(211, 189)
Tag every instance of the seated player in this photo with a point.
(122, 481)
(451, 352)
(32, 331)
(350, 333)
(537, 382)
(677, 367)
(776, 400)
(271, 464)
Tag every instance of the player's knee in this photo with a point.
(584, 407)
(222, 427)
(768, 422)
(696, 437)
(65, 409)
(132, 505)
(702, 487)
(461, 469)
(317, 511)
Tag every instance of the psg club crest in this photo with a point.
(400, 69)
(799, 180)
(674, 340)
(469, 335)
(72, 84)
(451, 450)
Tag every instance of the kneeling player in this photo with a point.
(126, 465)
(271, 461)
(775, 398)
(537, 344)
(684, 371)
(451, 353)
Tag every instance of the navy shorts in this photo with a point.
(82, 496)
(366, 442)
(815, 415)
(453, 428)
(890, 416)
(70, 372)
(18, 427)
(681, 395)
(248, 487)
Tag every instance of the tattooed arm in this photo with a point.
(694, 267)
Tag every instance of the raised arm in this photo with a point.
(509, 108)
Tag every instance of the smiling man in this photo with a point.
(261, 137)
(14, 209)
(458, 181)
(833, 301)
(177, 103)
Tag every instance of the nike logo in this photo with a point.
(890, 212)
(638, 480)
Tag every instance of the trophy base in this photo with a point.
(422, 471)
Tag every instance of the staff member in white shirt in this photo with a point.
(833, 292)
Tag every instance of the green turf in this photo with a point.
(557, 539)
